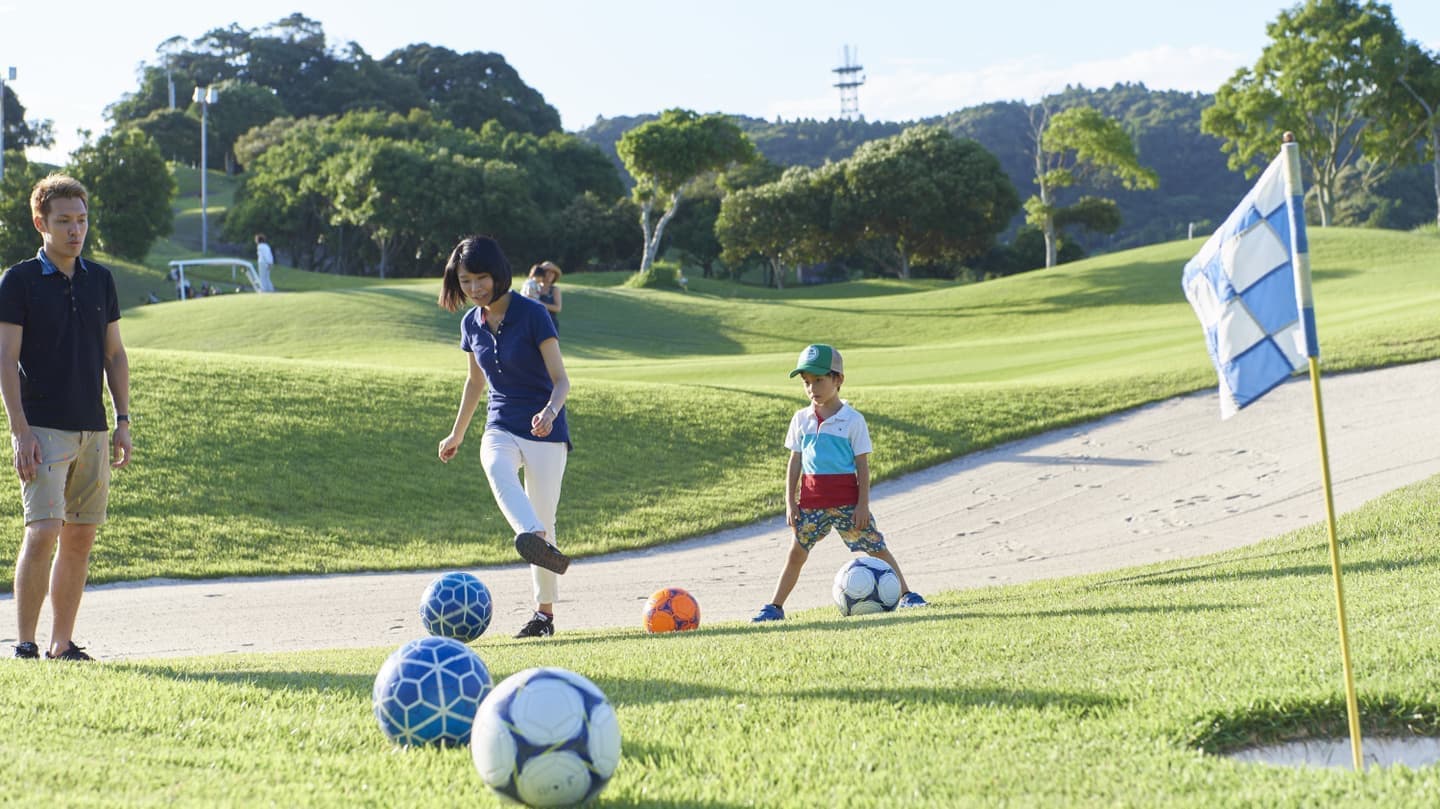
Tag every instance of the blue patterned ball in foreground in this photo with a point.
(546, 737)
(427, 692)
(456, 605)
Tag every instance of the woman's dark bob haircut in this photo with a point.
(480, 255)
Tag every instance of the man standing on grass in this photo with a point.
(59, 343)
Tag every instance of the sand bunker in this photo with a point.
(1414, 752)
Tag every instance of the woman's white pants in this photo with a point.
(530, 507)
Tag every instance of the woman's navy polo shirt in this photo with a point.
(62, 347)
(519, 385)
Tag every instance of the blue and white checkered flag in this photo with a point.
(1250, 287)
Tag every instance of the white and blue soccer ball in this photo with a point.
(865, 585)
(427, 692)
(456, 605)
(546, 737)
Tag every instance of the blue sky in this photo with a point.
(766, 59)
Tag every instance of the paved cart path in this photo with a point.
(1163, 482)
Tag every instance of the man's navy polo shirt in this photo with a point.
(519, 383)
(62, 348)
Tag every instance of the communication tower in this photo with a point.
(849, 80)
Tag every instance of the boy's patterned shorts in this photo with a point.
(815, 524)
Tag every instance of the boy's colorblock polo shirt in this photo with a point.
(827, 455)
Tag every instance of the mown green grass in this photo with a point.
(1116, 689)
(1120, 314)
(265, 467)
(219, 196)
(296, 432)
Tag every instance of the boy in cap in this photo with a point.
(827, 481)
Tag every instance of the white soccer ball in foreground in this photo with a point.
(546, 737)
(865, 585)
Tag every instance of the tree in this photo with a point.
(787, 222)
(412, 202)
(20, 133)
(279, 197)
(924, 195)
(589, 231)
(1071, 146)
(1419, 80)
(470, 89)
(176, 134)
(692, 232)
(130, 190)
(292, 61)
(18, 239)
(257, 140)
(1327, 75)
(668, 154)
(242, 107)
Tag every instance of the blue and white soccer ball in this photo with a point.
(546, 737)
(456, 605)
(427, 692)
(865, 585)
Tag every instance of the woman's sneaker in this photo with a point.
(27, 651)
(534, 549)
(539, 626)
(72, 653)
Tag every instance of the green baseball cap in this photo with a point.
(819, 359)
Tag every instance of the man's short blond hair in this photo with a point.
(56, 186)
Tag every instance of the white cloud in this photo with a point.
(912, 89)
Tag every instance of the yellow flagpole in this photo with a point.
(1301, 259)
(1352, 703)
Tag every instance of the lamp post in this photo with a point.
(11, 73)
(204, 96)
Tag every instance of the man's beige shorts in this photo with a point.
(72, 482)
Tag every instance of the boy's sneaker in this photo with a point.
(769, 612)
(535, 550)
(73, 653)
(912, 599)
(27, 651)
(539, 626)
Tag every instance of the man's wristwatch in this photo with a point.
(122, 417)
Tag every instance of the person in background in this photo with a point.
(264, 260)
(59, 349)
(549, 293)
(531, 287)
(513, 351)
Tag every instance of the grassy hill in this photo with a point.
(268, 428)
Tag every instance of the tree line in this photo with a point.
(357, 164)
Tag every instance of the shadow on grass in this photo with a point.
(909, 618)
(1271, 721)
(269, 679)
(1148, 283)
(1080, 704)
(609, 799)
(652, 691)
(597, 325)
(1207, 572)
